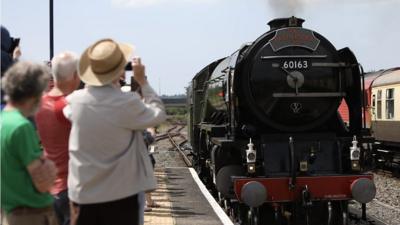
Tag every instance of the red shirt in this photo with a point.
(54, 131)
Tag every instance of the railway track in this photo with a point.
(170, 134)
(172, 131)
(356, 218)
(178, 147)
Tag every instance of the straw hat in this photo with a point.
(103, 62)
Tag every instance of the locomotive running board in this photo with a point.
(320, 187)
(308, 95)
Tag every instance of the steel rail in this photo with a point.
(178, 146)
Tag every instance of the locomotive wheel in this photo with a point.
(255, 216)
(338, 216)
(200, 164)
(197, 165)
(234, 213)
(338, 209)
(343, 205)
(252, 217)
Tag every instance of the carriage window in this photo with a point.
(373, 101)
(390, 103)
(379, 105)
(373, 104)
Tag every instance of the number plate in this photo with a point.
(296, 64)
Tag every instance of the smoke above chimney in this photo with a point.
(286, 8)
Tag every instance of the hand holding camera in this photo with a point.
(17, 53)
(139, 71)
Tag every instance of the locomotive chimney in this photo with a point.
(285, 22)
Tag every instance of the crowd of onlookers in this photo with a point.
(73, 153)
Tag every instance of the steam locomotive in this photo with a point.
(266, 135)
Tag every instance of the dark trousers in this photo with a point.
(61, 207)
(120, 212)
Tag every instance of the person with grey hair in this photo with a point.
(26, 174)
(64, 66)
(54, 128)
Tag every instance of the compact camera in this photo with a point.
(14, 44)
(134, 84)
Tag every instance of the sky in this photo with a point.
(177, 38)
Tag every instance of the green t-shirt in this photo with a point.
(19, 147)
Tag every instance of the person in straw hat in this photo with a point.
(109, 163)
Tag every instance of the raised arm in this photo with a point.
(151, 112)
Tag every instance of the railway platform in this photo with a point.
(183, 200)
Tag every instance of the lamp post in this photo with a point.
(51, 31)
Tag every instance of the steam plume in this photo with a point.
(286, 8)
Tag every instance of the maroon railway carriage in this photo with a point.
(382, 116)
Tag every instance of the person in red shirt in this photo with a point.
(54, 128)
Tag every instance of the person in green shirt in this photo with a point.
(26, 175)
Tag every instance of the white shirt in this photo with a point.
(104, 119)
